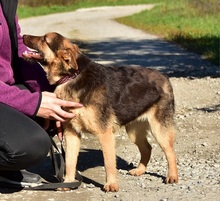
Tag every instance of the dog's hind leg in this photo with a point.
(107, 141)
(162, 128)
(137, 132)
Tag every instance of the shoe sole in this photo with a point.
(19, 184)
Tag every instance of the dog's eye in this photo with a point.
(43, 38)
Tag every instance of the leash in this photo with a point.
(59, 172)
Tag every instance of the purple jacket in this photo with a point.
(25, 101)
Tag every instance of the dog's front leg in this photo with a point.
(107, 142)
(72, 146)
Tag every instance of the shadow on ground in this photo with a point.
(88, 158)
(155, 53)
(210, 109)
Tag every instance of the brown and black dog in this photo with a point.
(138, 98)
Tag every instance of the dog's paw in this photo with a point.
(111, 187)
(137, 171)
(63, 189)
(171, 179)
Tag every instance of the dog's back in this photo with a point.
(127, 92)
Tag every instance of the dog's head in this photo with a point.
(55, 53)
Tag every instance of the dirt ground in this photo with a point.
(197, 147)
(197, 96)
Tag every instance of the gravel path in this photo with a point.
(196, 88)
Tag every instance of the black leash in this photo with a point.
(59, 169)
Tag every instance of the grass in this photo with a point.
(191, 27)
(193, 24)
(30, 8)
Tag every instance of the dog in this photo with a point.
(138, 98)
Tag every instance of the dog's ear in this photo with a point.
(69, 57)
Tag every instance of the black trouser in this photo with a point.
(23, 143)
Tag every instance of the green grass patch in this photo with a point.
(195, 28)
(193, 24)
(29, 8)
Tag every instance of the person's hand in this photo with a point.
(51, 107)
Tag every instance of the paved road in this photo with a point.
(110, 42)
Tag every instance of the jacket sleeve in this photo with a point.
(23, 100)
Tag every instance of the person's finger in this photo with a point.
(56, 117)
(62, 113)
(49, 94)
(65, 103)
(46, 124)
(59, 130)
(65, 115)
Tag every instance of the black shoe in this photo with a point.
(20, 178)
